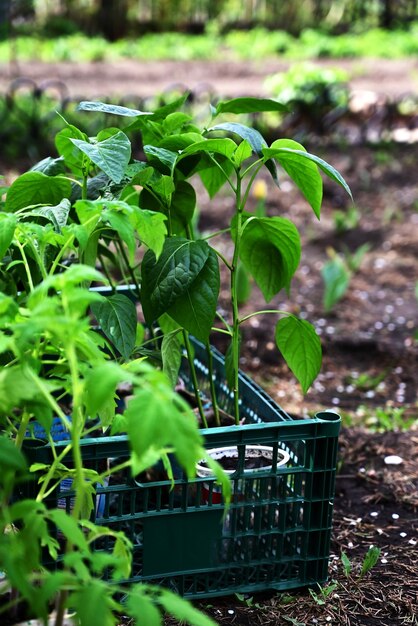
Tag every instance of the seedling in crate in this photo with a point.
(180, 283)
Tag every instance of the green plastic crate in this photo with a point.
(276, 534)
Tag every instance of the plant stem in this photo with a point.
(234, 300)
(276, 311)
(194, 377)
(212, 384)
(129, 267)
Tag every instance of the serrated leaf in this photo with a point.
(101, 383)
(157, 419)
(166, 279)
(111, 155)
(117, 318)
(301, 349)
(182, 610)
(142, 608)
(35, 188)
(113, 109)
(69, 527)
(249, 105)
(92, 604)
(270, 251)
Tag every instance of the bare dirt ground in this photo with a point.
(385, 77)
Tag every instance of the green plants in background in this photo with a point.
(346, 220)
(311, 93)
(369, 561)
(337, 274)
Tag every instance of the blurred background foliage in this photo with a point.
(116, 19)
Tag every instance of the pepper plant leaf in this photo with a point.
(226, 147)
(166, 279)
(195, 309)
(277, 150)
(151, 228)
(34, 188)
(117, 318)
(249, 105)
(171, 353)
(7, 228)
(270, 250)
(253, 137)
(111, 155)
(301, 349)
(302, 171)
(113, 109)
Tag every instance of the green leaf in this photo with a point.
(122, 225)
(183, 203)
(11, 458)
(166, 157)
(73, 157)
(182, 610)
(301, 349)
(58, 214)
(214, 177)
(253, 137)
(152, 229)
(302, 171)
(225, 147)
(35, 188)
(346, 563)
(270, 251)
(171, 354)
(117, 318)
(195, 309)
(164, 187)
(370, 560)
(336, 277)
(101, 383)
(92, 604)
(50, 166)
(142, 608)
(69, 527)
(242, 152)
(166, 279)
(249, 105)
(7, 230)
(112, 109)
(330, 171)
(158, 419)
(111, 155)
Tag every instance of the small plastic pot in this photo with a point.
(231, 452)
